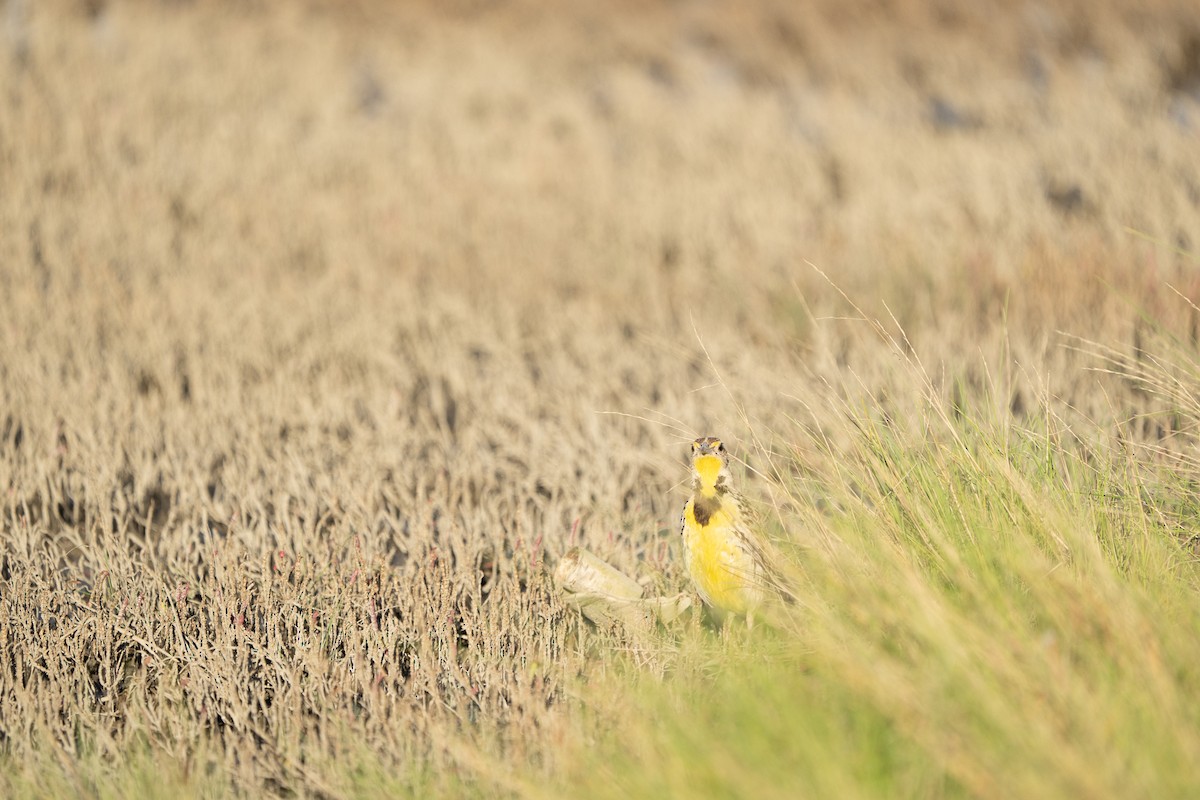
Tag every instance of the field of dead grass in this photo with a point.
(327, 329)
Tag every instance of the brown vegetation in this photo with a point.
(326, 328)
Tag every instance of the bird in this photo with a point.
(724, 558)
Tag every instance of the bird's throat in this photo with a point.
(708, 468)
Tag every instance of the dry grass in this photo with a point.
(325, 329)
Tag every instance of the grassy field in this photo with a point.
(328, 328)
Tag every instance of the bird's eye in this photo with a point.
(720, 447)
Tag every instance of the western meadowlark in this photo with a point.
(723, 556)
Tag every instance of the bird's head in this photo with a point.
(710, 465)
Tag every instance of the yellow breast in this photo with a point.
(720, 563)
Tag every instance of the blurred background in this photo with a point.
(964, 162)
